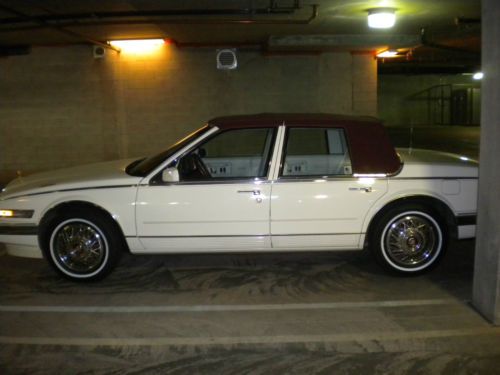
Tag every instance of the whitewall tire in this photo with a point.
(82, 245)
(410, 239)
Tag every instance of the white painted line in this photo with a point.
(248, 340)
(224, 308)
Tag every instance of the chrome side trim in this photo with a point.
(277, 152)
(206, 236)
(433, 178)
(316, 234)
(318, 179)
(211, 182)
(251, 235)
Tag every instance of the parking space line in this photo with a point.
(249, 340)
(225, 308)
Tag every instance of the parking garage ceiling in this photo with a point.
(433, 35)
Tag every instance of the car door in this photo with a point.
(222, 200)
(317, 202)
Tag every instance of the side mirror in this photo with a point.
(170, 175)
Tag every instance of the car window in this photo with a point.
(231, 154)
(142, 167)
(316, 152)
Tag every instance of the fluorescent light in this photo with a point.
(388, 53)
(137, 45)
(478, 76)
(381, 18)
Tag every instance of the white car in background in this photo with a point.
(256, 183)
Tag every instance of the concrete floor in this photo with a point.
(322, 313)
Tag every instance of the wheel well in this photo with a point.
(436, 205)
(76, 205)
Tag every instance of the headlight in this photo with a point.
(22, 214)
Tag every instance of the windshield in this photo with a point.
(143, 167)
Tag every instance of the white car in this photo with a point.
(256, 183)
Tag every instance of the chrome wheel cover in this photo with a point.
(411, 241)
(78, 247)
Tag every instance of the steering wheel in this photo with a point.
(202, 168)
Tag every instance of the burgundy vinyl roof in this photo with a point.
(370, 148)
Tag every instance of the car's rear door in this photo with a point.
(317, 201)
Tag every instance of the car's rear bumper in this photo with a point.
(466, 226)
(466, 231)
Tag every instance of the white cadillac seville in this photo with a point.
(256, 183)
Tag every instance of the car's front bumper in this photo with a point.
(20, 240)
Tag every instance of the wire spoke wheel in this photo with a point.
(78, 246)
(409, 240)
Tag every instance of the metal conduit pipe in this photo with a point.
(152, 17)
(61, 29)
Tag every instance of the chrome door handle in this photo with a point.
(365, 189)
(254, 192)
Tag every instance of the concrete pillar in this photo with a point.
(364, 84)
(486, 288)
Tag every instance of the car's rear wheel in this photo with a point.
(409, 239)
(82, 244)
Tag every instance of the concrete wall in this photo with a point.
(60, 107)
(399, 104)
(486, 285)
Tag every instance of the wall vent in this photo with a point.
(99, 52)
(226, 59)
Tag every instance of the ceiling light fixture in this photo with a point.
(478, 76)
(381, 18)
(137, 45)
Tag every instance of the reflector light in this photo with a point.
(6, 213)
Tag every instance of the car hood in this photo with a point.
(104, 174)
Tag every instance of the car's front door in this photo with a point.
(222, 200)
(317, 202)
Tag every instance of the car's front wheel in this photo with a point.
(410, 239)
(82, 245)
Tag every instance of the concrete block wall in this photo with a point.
(61, 107)
(364, 84)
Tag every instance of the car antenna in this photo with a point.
(411, 140)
